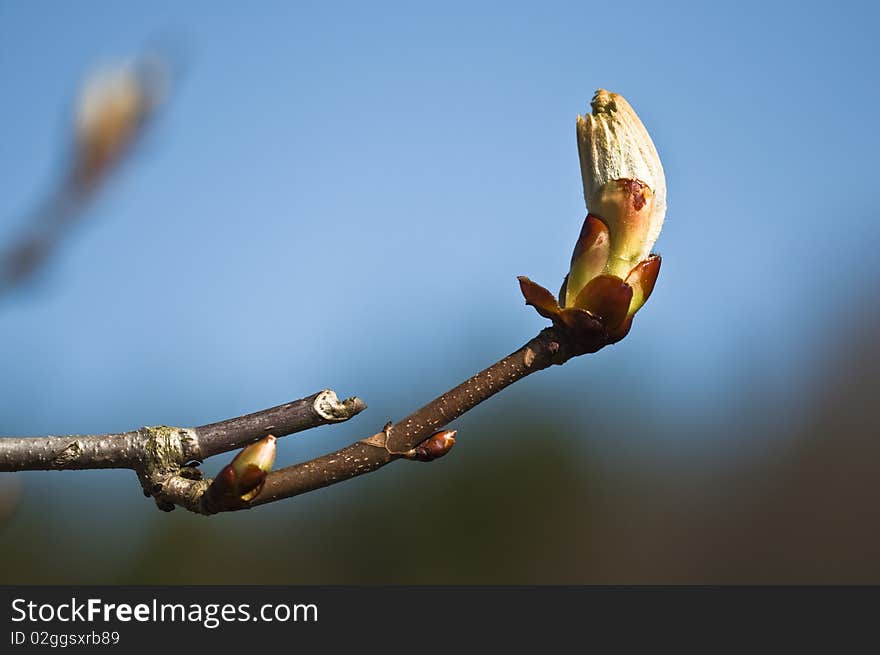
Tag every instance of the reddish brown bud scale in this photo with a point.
(539, 298)
(589, 258)
(243, 478)
(620, 332)
(607, 298)
(563, 289)
(251, 482)
(642, 280)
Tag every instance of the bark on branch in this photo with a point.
(548, 348)
(131, 450)
(163, 456)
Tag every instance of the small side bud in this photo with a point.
(434, 447)
(244, 476)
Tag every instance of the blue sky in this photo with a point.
(343, 194)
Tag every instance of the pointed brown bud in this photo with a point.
(434, 447)
(244, 476)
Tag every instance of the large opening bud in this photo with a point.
(624, 183)
(612, 272)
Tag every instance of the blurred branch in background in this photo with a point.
(111, 113)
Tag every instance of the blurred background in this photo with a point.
(342, 195)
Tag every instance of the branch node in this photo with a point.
(70, 454)
(381, 439)
(168, 448)
(170, 490)
(378, 440)
(328, 406)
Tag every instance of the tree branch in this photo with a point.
(548, 348)
(595, 314)
(76, 452)
(163, 456)
(152, 449)
(310, 412)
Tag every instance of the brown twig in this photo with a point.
(162, 456)
(131, 450)
(548, 348)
